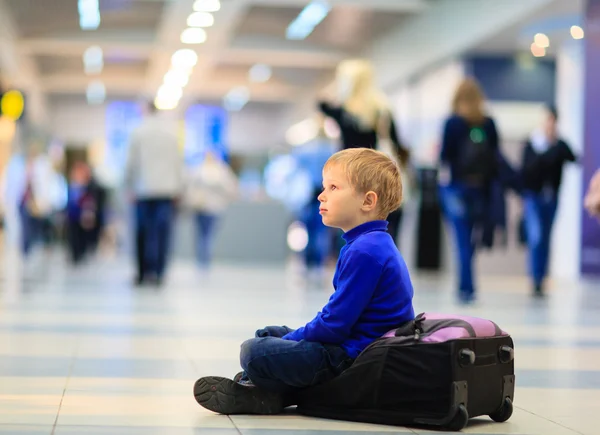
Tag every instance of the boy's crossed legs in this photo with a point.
(274, 370)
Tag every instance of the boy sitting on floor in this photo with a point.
(373, 294)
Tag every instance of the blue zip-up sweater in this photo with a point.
(373, 293)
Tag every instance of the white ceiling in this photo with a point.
(138, 38)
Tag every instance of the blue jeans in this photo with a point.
(464, 207)
(31, 230)
(154, 221)
(205, 230)
(286, 367)
(540, 210)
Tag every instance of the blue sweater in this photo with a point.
(373, 293)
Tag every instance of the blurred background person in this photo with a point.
(311, 157)
(592, 197)
(84, 212)
(210, 187)
(470, 149)
(360, 108)
(544, 156)
(154, 173)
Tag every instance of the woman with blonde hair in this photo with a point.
(365, 119)
(470, 150)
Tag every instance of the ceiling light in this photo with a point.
(541, 40)
(260, 73)
(184, 58)
(207, 5)
(176, 78)
(169, 92)
(537, 51)
(162, 103)
(201, 19)
(308, 19)
(193, 35)
(96, 93)
(577, 32)
(236, 99)
(93, 61)
(89, 14)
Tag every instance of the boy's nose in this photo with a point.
(321, 197)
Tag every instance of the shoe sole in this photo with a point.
(224, 396)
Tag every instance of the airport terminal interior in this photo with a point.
(161, 197)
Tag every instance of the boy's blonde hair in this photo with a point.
(370, 170)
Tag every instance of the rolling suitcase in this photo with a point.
(437, 370)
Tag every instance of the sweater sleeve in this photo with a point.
(568, 154)
(449, 141)
(359, 276)
(333, 112)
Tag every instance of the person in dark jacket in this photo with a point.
(544, 156)
(360, 111)
(470, 150)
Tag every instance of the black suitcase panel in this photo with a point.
(441, 384)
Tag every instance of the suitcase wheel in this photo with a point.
(466, 357)
(504, 412)
(506, 354)
(460, 420)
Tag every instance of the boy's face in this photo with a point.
(341, 205)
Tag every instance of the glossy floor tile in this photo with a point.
(83, 351)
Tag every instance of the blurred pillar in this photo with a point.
(590, 234)
(566, 246)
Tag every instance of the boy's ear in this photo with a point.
(370, 201)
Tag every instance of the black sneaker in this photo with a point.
(224, 396)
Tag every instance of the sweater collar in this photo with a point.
(367, 227)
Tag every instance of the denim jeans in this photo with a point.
(205, 230)
(31, 230)
(154, 222)
(463, 207)
(286, 367)
(540, 210)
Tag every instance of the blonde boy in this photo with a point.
(373, 294)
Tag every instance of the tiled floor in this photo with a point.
(81, 351)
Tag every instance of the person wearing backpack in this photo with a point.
(470, 151)
(544, 156)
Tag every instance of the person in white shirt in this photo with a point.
(154, 173)
(211, 186)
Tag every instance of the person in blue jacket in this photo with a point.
(373, 294)
(472, 199)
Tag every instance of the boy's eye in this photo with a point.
(333, 187)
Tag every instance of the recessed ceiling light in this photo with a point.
(577, 32)
(201, 19)
(89, 14)
(537, 51)
(177, 78)
(193, 35)
(93, 60)
(165, 103)
(96, 92)
(237, 98)
(184, 58)
(541, 40)
(207, 5)
(260, 73)
(169, 92)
